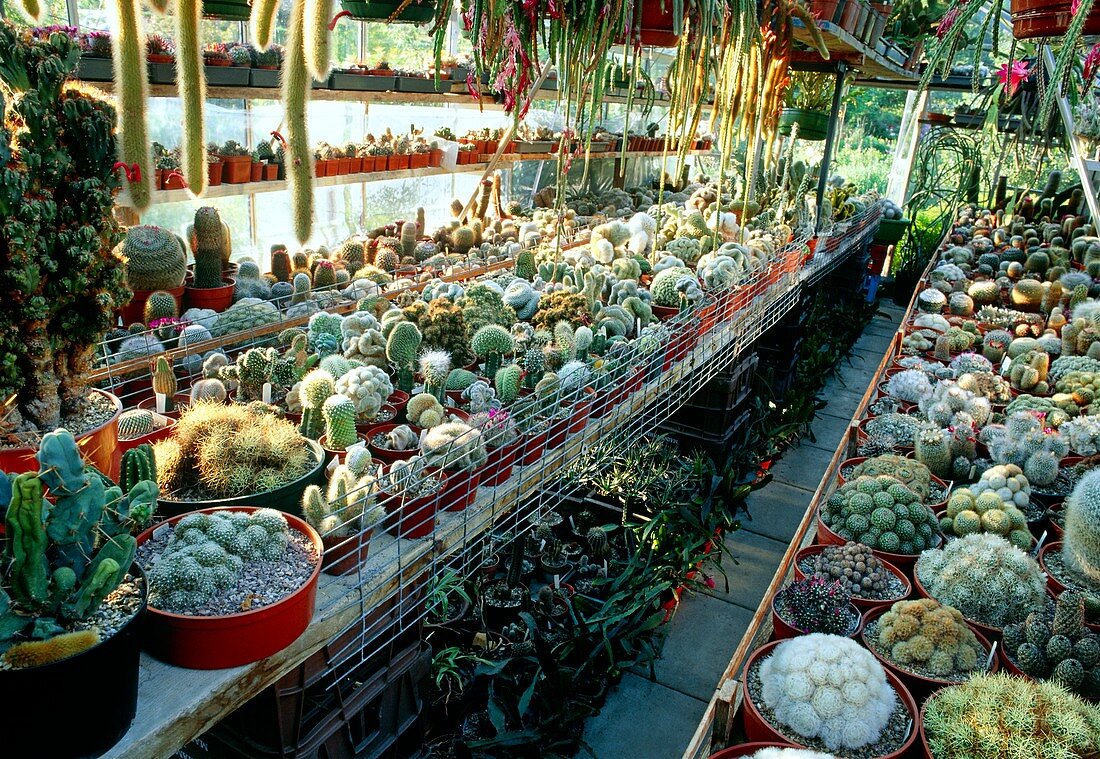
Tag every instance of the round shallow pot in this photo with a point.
(781, 629)
(747, 749)
(862, 604)
(99, 722)
(757, 728)
(919, 686)
(149, 437)
(902, 561)
(234, 639)
(385, 454)
(287, 499)
(98, 447)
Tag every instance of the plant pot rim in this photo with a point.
(241, 501)
(294, 522)
(890, 557)
(33, 449)
(935, 683)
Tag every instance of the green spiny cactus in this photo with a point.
(208, 389)
(160, 304)
(164, 381)
(435, 366)
(933, 450)
(132, 93)
(317, 37)
(134, 423)
(154, 258)
(491, 342)
(192, 92)
(296, 90)
(210, 248)
(324, 275)
(317, 387)
(401, 348)
(303, 285)
(506, 381)
(1081, 543)
(339, 414)
(262, 22)
(138, 464)
(408, 240)
(534, 366)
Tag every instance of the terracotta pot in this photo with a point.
(861, 603)
(435, 158)
(919, 686)
(757, 728)
(332, 167)
(236, 169)
(345, 166)
(98, 446)
(216, 298)
(271, 172)
(345, 554)
(318, 168)
(257, 171)
(398, 162)
(234, 639)
(1047, 18)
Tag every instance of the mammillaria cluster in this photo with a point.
(855, 566)
(967, 514)
(985, 577)
(1025, 442)
(207, 552)
(882, 513)
(925, 635)
(910, 386)
(913, 474)
(815, 604)
(828, 687)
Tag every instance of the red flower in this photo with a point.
(1011, 74)
(947, 22)
(1092, 63)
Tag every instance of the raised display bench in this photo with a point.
(177, 705)
(873, 66)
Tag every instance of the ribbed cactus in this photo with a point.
(132, 95)
(525, 265)
(154, 258)
(408, 240)
(160, 304)
(1081, 544)
(316, 388)
(134, 423)
(299, 159)
(339, 414)
(506, 382)
(138, 464)
(302, 287)
(490, 343)
(401, 348)
(164, 381)
(192, 89)
(280, 263)
(261, 22)
(932, 449)
(210, 247)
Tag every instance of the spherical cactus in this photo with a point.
(924, 635)
(984, 293)
(664, 284)
(1027, 295)
(460, 379)
(339, 414)
(154, 258)
(208, 390)
(135, 423)
(424, 410)
(160, 305)
(1081, 544)
(847, 707)
(506, 381)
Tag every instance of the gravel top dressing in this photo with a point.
(97, 411)
(261, 583)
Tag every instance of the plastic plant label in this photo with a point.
(162, 403)
(1006, 364)
(992, 653)
(557, 581)
(266, 393)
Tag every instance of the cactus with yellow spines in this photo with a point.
(132, 93)
(261, 22)
(192, 89)
(317, 37)
(299, 159)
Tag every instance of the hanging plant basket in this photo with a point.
(227, 10)
(812, 125)
(416, 12)
(1032, 19)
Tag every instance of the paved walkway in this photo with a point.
(655, 719)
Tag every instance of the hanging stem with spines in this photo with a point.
(942, 54)
(299, 157)
(32, 9)
(192, 88)
(160, 6)
(261, 22)
(132, 88)
(1064, 61)
(318, 36)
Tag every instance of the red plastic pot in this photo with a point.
(461, 489)
(782, 630)
(398, 399)
(903, 561)
(385, 454)
(183, 400)
(134, 311)
(757, 728)
(332, 453)
(531, 448)
(500, 464)
(556, 432)
(345, 554)
(411, 517)
(234, 639)
(582, 409)
(861, 603)
(216, 298)
(150, 437)
(748, 749)
(919, 686)
(1047, 18)
(98, 447)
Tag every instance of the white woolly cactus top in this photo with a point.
(985, 577)
(910, 385)
(789, 753)
(828, 687)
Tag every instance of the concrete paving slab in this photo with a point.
(642, 718)
(757, 557)
(776, 510)
(702, 637)
(802, 466)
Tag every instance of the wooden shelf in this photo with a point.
(841, 42)
(255, 188)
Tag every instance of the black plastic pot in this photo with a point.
(108, 674)
(369, 10)
(288, 498)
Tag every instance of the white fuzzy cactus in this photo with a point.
(368, 387)
(1082, 434)
(789, 753)
(911, 386)
(947, 404)
(828, 687)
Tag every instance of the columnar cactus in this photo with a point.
(164, 382)
(296, 89)
(315, 389)
(1081, 544)
(192, 89)
(138, 464)
(210, 247)
(262, 22)
(401, 349)
(490, 343)
(435, 366)
(132, 91)
(339, 413)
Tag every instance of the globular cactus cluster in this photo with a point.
(950, 405)
(855, 566)
(847, 709)
(968, 514)
(1027, 443)
(1056, 645)
(924, 635)
(207, 552)
(424, 410)
(882, 513)
(453, 445)
(1028, 372)
(367, 387)
(815, 604)
(985, 577)
(913, 474)
(63, 556)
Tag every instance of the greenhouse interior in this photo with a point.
(455, 379)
